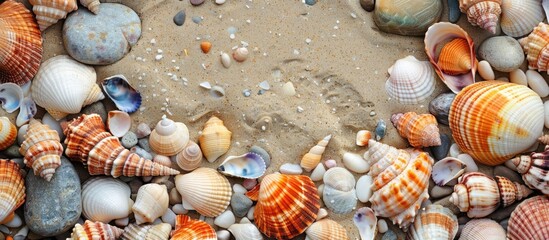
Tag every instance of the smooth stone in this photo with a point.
(249, 184)
(122, 222)
(322, 213)
(53, 124)
(441, 151)
(225, 220)
(53, 207)
(470, 164)
(320, 189)
(485, 70)
(318, 172)
(15, 222)
(142, 153)
(143, 130)
(364, 188)
(445, 202)
(179, 209)
(382, 226)
(186, 205)
(245, 220)
(503, 171)
(503, 79)
(168, 217)
(488, 170)
(237, 188)
(21, 133)
(97, 108)
(504, 53)
(368, 5)
(463, 219)
(439, 192)
(330, 163)
(225, 60)
(503, 213)
(355, 163)
(453, 11)
(196, 19)
(519, 77)
(20, 162)
(290, 168)
(263, 153)
(537, 83)
(102, 38)
(310, 2)
(250, 214)
(22, 233)
(409, 17)
(179, 18)
(144, 144)
(13, 152)
(389, 235)
(196, 2)
(440, 107)
(219, 2)
(135, 184)
(129, 140)
(223, 235)
(504, 223)
(454, 150)
(240, 204)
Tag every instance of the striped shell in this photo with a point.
(42, 149)
(105, 199)
(187, 228)
(492, 120)
(530, 220)
(534, 169)
(482, 13)
(48, 12)
(8, 133)
(12, 189)
(92, 5)
(147, 232)
(519, 18)
(421, 130)
(20, 44)
(535, 47)
(326, 229)
(151, 202)
(168, 137)
(434, 222)
(190, 158)
(454, 58)
(95, 231)
(411, 81)
(312, 158)
(482, 229)
(215, 139)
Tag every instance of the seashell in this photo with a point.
(119, 123)
(434, 222)
(482, 229)
(240, 54)
(400, 182)
(124, 96)
(381, 129)
(519, 18)
(187, 228)
(63, 86)
(250, 166)
(190, 158)
(12, 187)
(510, 125)
(95, 231)
(362, 137)
(27, 110)
(326, 229)
(312, 158)
(48, 12)
(411, 81)
(482, 13)
(215, 139)
(151, 203)
(286, 206)
(245, 231)
(20, 44)
(421, 130)
(533, 168)
(455, 58)
(92, 5)
(206, 190)
(147, 232)
(535, 47)
(530, 220)
(443, 32)
(88, 141)
(42, 149)
(105, 199)
(408, 17)
(168, 137)
(446, 170)
(339, 193)
(8, 133)
(479, 195)
(366, 222)
(205, 46)
(11, 96)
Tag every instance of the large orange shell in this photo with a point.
(530, 220)
(12, 189)
(421, 130)
(287, 205)
(8, 133)
(42, 149)
(95, 231)
(493, 121)
(536, 48)
(187, 228)
(454, 58)
(20, 44)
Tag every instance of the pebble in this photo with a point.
(135, 184)
(225, 60)
(445, 202)
(205, 85)
(389, 235)
(225, 220)
(179, 209)
(310, 2)
(439, 192)
(186, 205)
(168, 217)
(382, 226)
(240, 204)
(504, 53)
(355, 163)
(223, 235)
(15, 222)
(53, 207)
(162, 160)
(247, 92)
(463, 219)
(367, 5)
(453, 11)
(441, 151)
(219, 2)
(330, 163)
(175, 197)
(381, 129)
(241, 54)
(318, 172)
(320, 189)
(179, 18)
(21, 133)
(196, 19)
(53, 124)
(237, 188)
(364, 188)
(122, 222)
(141, 152)
(129, 140)
(144, 144)
(503, 171)
(504, 223)
(485, 70)
(322, 213)
(288, 89)
(143, 130)
(291, 168)
(249, 183)
(537, 83)
(519, 77)
(454, 150)
(264, 85)
(22, 233)
(503, 213)
(440, 107)
(251, 213)
(196, 2)
(97, 108)
(13, 152)
(90, 44)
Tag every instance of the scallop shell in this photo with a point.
(482, 229)
(535, 47)
(312, 158)
(479, 195)
(151, 203)
(215, 139)
(11, 96)
(48, 12)
(206, 190)
(124, 96)
(493, 121)
(42, 149)
(250, 166)
(533, 168)
(434, 222)
(95, 231)
(482, 13)
(105, 199)
(63, 86)
(366, 222)
(421, 130)
(119, 123)
(530, 220)
(411, 81)
(187, 228)
(92, 5)
(245, 231)
(519, 18)
(20, 44)
(190, 158)
(287, 205)
(446, 170)
(339, 193)
(326, 229)
(440, 33)
(168, 137)
(27, 110)
(147, 232)
(12, 189)
(8, 133)
(454, 58)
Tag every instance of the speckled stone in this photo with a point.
(440, 107)
(504, 53)
(144, 143)
(129, 139)
(441, 151)
(240, 204)
(102, 38)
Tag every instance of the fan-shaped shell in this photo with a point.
(482, 13)
(48, 12)
(124, 96)
(92, 5)
(245, 231)
(42, 149)
(519, 18)
(119, 123)
(326, 229)
(187, 228)
(421, 130)
(63, 86)
(11, 96)
(8, 133)
(530, 220)
(312, 158)
(151, 203)
(95, 231)
(12, 189)
(534, 169)
(105, 199)
(339, 193)
(147, 232)
(482, 229)
(493, 120)
(411, 81)
(20, 44)
(190, 158)
(215, 139)
(287, 205)
(535, 47)
(434, 222)
(250, 165)
(206, 190)
(168, 137)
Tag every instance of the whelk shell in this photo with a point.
(147, 232)
(215, 139)
(535, 47)
(11, 96)
(42, 149)
(8, 133)
(339, 193)
(12, 190)
(95, 231)
(446, 170)
(434, 222)
(48, 12)
(151, 203)
(421, 130)
(168, 137)
(92, 5)
(326, 229)
(118, 123)
(533, 168)
(482, 229)
(105, 199)
(250, 165)
(482, 13)
(187, 228)
(312, 158)
(190, 158)
(366, 222)
(124, 96)
(411, 81)
(530, 220)
(519, 18)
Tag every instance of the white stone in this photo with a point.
(503, 79)
(331, 163)
(186, 205)
(318, 172)
(175, 197)
(122, 222)
(519, 77)
(179, 209)
(546, 113)
(15, 222)
(288, 89)
(290, 168)
(382, 226)
(225, 60)
(250, 214)
(169, 217)
(355, 163)
(454, 150)
(364, 188)
(469, 162)
(206, 85)
(485, 70)
(223, 235)
(225, 220)
(537, 83)
(322, 213)
(219, 2)
(237, 188)
(245, 220)
(264, 85)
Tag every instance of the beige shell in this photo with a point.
(326, 229)
(533, 168)
(482, 13)
(95, 231)
(215, 139)
(535, 47)
(245, 231)
(147, 232)
(48, 12)
(421, 130)
(168, 137)
(434, 222)
(530, 220)
(190, 158)
(42, 149)
(411, 81)
(151, 203)
(118, 123)
(105, 199)
(482, 229)
(92, 5)
(312, 158)
(12, 189)
(519, 18)
(8, 133)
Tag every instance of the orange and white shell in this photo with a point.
(535, 47)
(147, 232)
(434, 222)
(20, 44)
(95, 231)
(190, 158)
(287, 205)
(493, 121)
(400, 182)
(92, 5)
(311, 159)
(105, 199)
(410, 81)
(151, 202)
(48, 12)
(215, 139)
(482, 13)
(8, 133)
(421, 130)
(12, 190)
(118, 123)
(168, 137)
(206, 190)
(42, 149)
(455, 58)
(533, 169)
(326, 229)
(482, 229)
(530, 220)
(519, 18)
(187, 228)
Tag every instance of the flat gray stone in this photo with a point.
(240, 204)
(129, 139)
(97, 108)
(503, 171)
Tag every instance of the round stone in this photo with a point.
(441, 151)
(129, 140)
(290, 168)
(179, 18)
(502, 52)
(197, 2)
(240, 204)
(225, 220)
(13, 152)
(408, 17)
(367, 5)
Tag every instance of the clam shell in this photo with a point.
(530, 220)
(421, 130)
(124, 96)
(245, 231)
(11, 96)
(482, 229)
(147, 232)
(519, 18)
(42, 149)
(151, 203)
(12, 189)
(312, 158)
(92, 5)
(250, 166)
(411, 81)
(48, 12)
(362, 137)
(190, 158)
(168, 137)
(454, 58)
(434, 222)
(493, 121)
(27, 110)
(366, 222)
(326, 229)
(105, 199)
(533, 168)
(446, 170)
(482, 13)
(534, 46)
(8, 133)
(119, 123)
(187, 228)
(339, 193)
(20, 44)
(215, 139)
(95, 231)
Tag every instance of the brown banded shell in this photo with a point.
(215, 139)
(534, 169)
(12, 189)
(95, 231)
(326, 229)
(530, 220)
(535, 47)
(434, 222)
(8, 133)
(147, 232)
(482, 229)
(168, 137)
(482, 13)
(42, 149)
(190, 158)
(421, 130)
(48, 12)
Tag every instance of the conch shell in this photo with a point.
(187, 228)
(147, 232)
(530, 220)
(48, 12)
(42, 149)
(535, 47)
(168, 137)
(151, 203)
(312, 158)
(12, 190)
(215, 139)
(533, 168)
(434, 222)
(411, 81)
(92, 5)
(8, 133)
(421, 130)
(482, 13)
(95, 231)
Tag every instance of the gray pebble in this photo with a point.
(144, 143)
(445, 202)
(197, 19)
(179, 18)
(440, 107)
(441, 151)
(197, 2)
(135, 184)
(240, 204)
(381, 129)
(503, 171)
(13, 151)
(141, 152)
(97, 108)
(310, 2)
(247, 92)
(453, 11)
(438, 192)
(263, 153)
(504, 53)
(504, 223)
(129, 140)
(368, 5)
(503, 213)
(389, 235)
(463, 219)
(142, 130)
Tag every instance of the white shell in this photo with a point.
(11, 96)
(366, 222)
(245, 231)
(105, 199)
(225, 60)
(519, 17)
(411, 81)
(355, 162)
(119, 123)
(151, 203)
(249, 166)
(240, 54)
(546, 113)
(339, 193)
(446, 170)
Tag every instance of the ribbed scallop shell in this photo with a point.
(124, 96)
(147, 232)
(105, 199)
(12, 189)
(8, 133)
(190, 158)
(187, 228)
(20, 44)
(411, 81)
(42, 149)
(482, 13)
(519, 18)
(534, 169)
(48, 12)
(92, 5)
(493, 120)
(535, 47)
(215, 139)
(245, 231)
(326, 229)
(339, 192)
(482, 229)
(311, 159)
(421, 130)
(454, 58)
(287, 205)
(434, 222)
(206, 190)
(530, 220)
(168, 137)
(151, 203)
(250, 165)
(63, 86)
(95, 231)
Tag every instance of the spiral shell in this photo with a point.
(421, 130)
(92, 5)
(8, 133)
(12, 189)
(535, 47)
(326, 229)
(48, 12)
(411, 81)
(312, 158)
(105, 199)
(482, 13)
(215, 139)
(95, 231)
(519, 18)
(530, 220)
(151, 203)
(42, 149)
(434, 222)
(187, 228)
(533, 168)
(147, 232)
(168, 137)
(482, 229)
(190, 158)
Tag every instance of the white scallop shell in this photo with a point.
(411, 81)
(339, 193)
(519, 17)
(119, 123)
(105, 199)
(446, 170)
(151, 203)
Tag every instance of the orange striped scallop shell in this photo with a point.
(530, 220)
(187, 228)
(95, 231)
(12, 189)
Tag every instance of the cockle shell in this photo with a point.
(534, 169)
(11, 96)
(12, 189)
(151, 203)
(482, 13)
(366, 222)
(411, 81)
(479, 195)
(455, 58)
(446, 170)
(421, 130)
(434, 222)
(147, 232)
(20, 44)
(95, 231)
(339, 193)
(245, 231)
(206, 190)
(400, 181)
(92, 5)
(250, 165)
(124, 96)
(312, 158)
(63, 86)
(119, 123)
(287, 205)
(42, 149)
(440, 33)
(168, 137)
(8, 133)
(215, 139)
(530, 220)
(482, 229)
(48, 12)
(190, 158)
(105, 199)
(492, 121)
(187, 228)
(535, 47)
(326, 229)
(519, 18)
